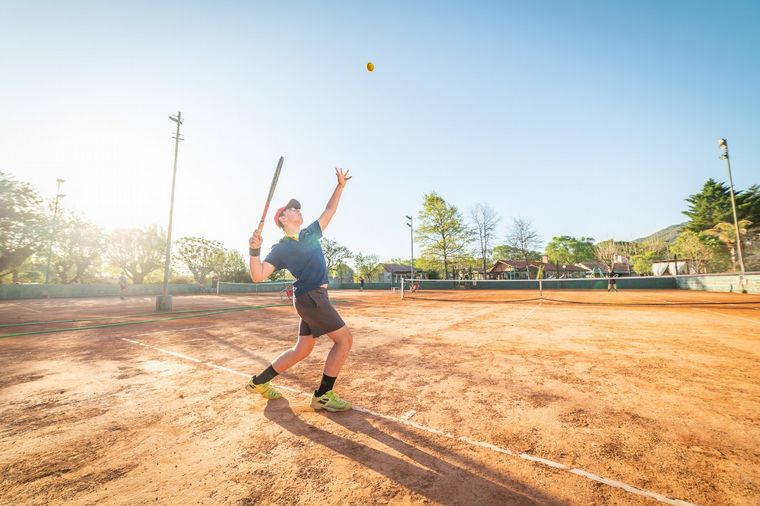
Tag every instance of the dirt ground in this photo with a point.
(460, 399)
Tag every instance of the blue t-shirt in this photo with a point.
(303, 258)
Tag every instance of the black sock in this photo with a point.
(265, 376)
(325, 386)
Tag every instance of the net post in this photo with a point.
(541, 287)
(218, 286)
(402, 288)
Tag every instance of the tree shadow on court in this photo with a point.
(427, 475)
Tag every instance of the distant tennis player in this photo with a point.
(612, 282)
(299, 251)
(123, 285)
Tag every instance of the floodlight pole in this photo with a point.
(58, 195)
(410, 224)
(723, 145)
(164, 302)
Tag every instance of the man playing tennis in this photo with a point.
(612, 282)
(299, 251)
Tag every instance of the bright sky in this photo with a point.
(588, 118)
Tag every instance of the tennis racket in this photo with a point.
(271, 193)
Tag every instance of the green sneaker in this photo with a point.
(330, 401)
(265, 389)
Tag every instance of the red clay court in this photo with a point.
(473, 397)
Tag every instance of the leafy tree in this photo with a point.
(523, 238)
(23, 225)
(433, 274)
(726, 233)
(77, 250)
(647, 252)
(367, 266)
(200, 255)
(748, 205)
(464, 266)
(712, 205)
(442, 231)
(231, 267)
(559, 250)
(711, 214)
(281, 275)
(484, 220)
(156, 276)
(433, 266)
(690, 246)
(138, 252)
(748, 208)
(642, 263)
(507, 252)
(752, 254)
(583, 249)
(335, 254)
(709, 207)
(570, 250)
(344, 273)
(32, 270)
(401, 261)
(179, 279)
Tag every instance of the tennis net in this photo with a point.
(704, 289)
(270, 288)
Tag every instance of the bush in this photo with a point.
(433, 274)
(182, 280)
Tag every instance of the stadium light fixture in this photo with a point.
(723, 146)
(410, 224)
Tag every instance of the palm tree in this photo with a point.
(726, 233)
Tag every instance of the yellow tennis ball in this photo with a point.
(370, 67)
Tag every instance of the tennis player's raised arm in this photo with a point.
(260, 271)
(332, 204)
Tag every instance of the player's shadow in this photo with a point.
(425, 474)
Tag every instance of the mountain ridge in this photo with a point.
(667, 234)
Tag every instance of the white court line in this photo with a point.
(174, 353)
(626, 487)
(724, 314)
(529, 312)
(473, 442)
(408, 414)
(173, 331)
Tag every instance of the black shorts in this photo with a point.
(318, 316)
